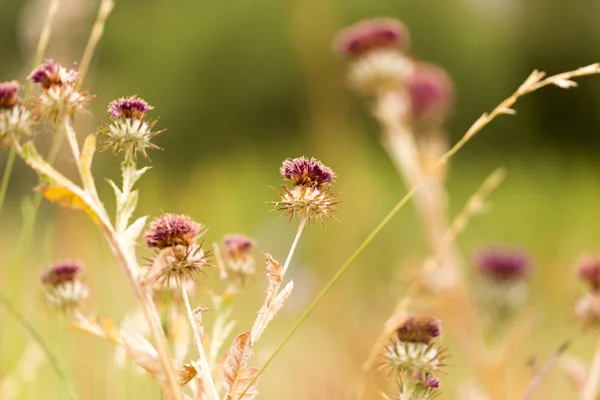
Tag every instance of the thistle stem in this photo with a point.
(288, 260)
(10, 162)
(590, 390)
(206, 376)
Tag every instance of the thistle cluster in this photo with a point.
(64, 289)
(414, 359)
(310, 196)
(380, 63)
(178, 256)
(587, 308)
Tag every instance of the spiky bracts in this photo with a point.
(64, 289)
(414, 359)
(310, 197)
(128, 130)
(178, 256)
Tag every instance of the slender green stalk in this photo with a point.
(38, 338)
(10, 162)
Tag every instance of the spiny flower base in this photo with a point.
(309, 203)
(410, 357)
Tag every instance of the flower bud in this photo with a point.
(64, 290)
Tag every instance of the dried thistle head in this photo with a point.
(64, 288)
(171, 230)
(503, 265)
(59, 94)
(178, 264)
(310, 196)
(430, 92)
(589, 271)
(370, 35)
(15, 120)
(128, 130)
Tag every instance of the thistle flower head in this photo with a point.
(237, 245)
(63, 287)
(372, 34)
(171, 230)
(304, 172)
(50, 74)
(128, 130)
(503, 265)
(418, 329)
(430, 92)
(59, 94)
(179, 263)
(589, 271)
(9, 92)
(61, 272)
(129, 107)
(15, 119)
(237, 255)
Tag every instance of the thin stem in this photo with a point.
(10, 162)
(106, 6)
(44, 39)
(544, 370)
(206, 376)
(590, 390)
(288, 260)
(39, 339)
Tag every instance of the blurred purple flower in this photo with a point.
(430, 91)
(589, 271)
(61, 272)
(50, 74)
(9, 94)
(503, 265)
(372, 34)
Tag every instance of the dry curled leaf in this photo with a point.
(66, 198)
(237, 375)
(186, 373)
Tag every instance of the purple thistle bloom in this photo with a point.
(304, 172)
(238, 245)
(430, 92)
(171, 230)
(419, 329)
(372, 34)
(61, 272)
(9, 94)
(431, 382)
(50, 74)
(589, 271)
(129, 107)
(503, 265)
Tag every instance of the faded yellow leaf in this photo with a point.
(66, 198)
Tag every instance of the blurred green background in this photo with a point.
(241, 85)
